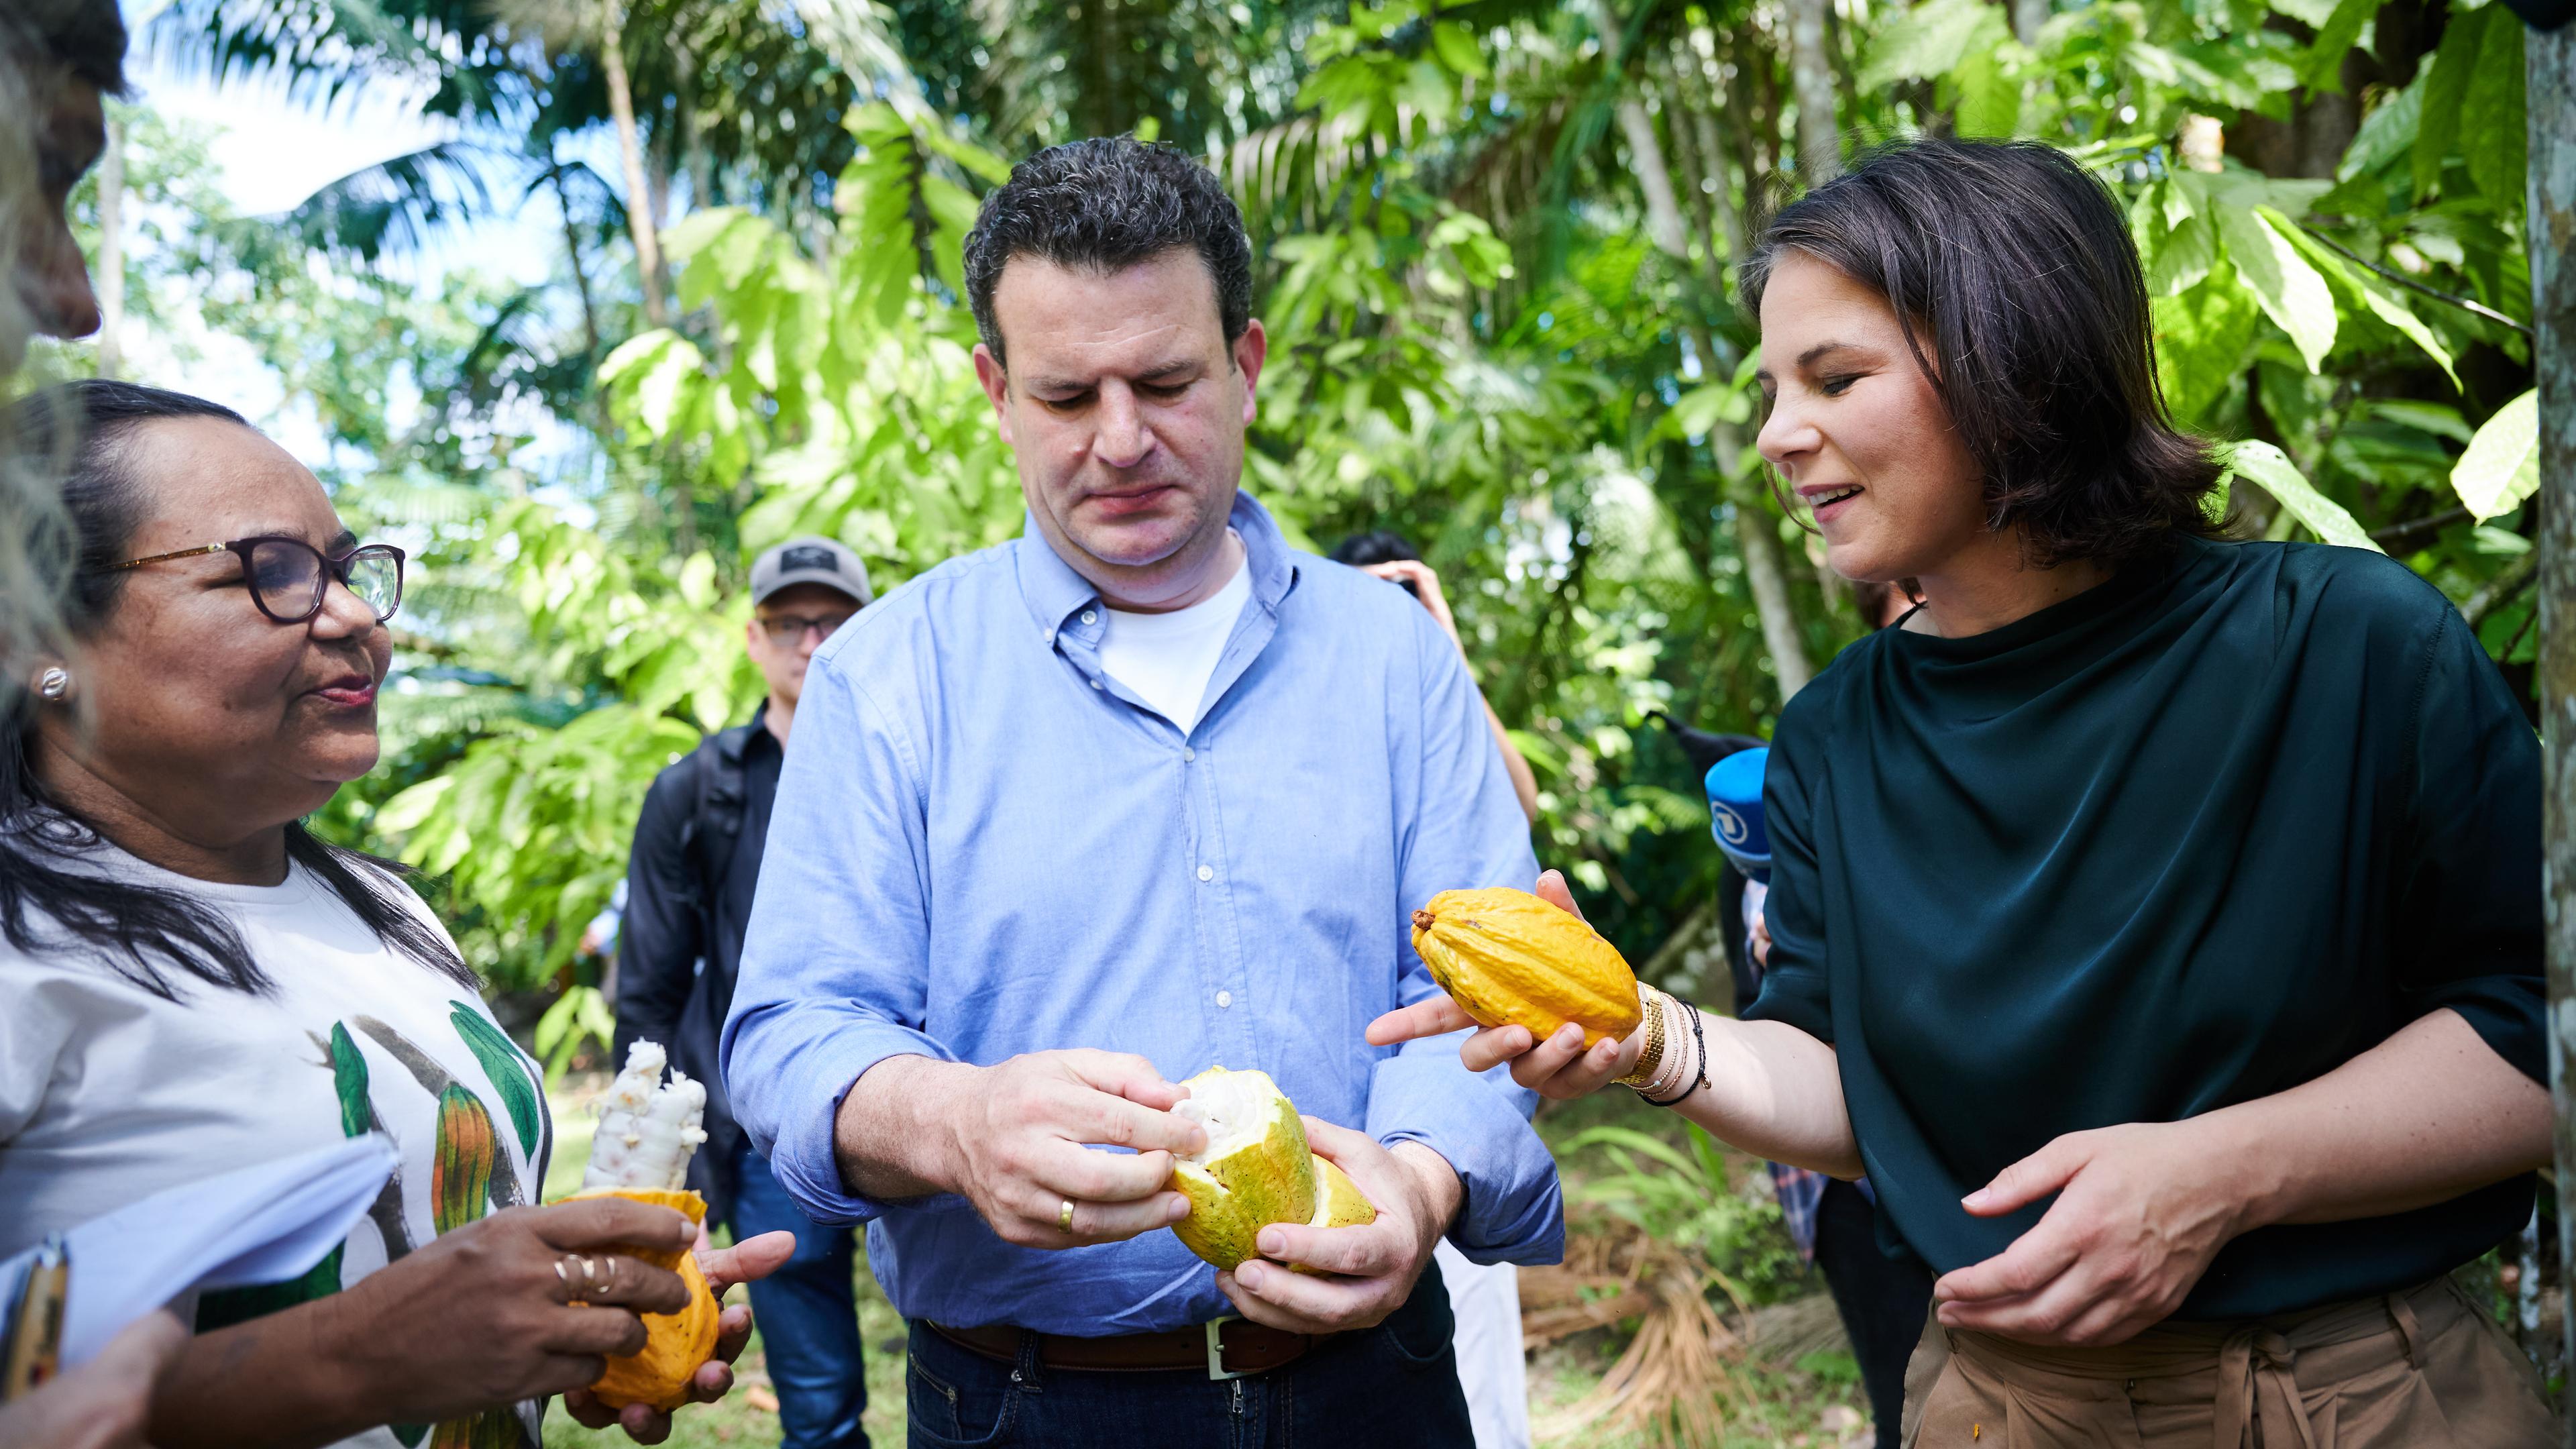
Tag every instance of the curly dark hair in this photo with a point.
(2013, 263)
(1104, 205)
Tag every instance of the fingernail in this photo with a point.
(1273, 1242)
(1248, 1275)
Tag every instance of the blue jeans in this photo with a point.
(808, 1316)
(1394, 1385)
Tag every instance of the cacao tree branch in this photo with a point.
(2466, 304)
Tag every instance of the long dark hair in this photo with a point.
(49, 898)
(2019, 291)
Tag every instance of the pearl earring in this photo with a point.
(54, 684)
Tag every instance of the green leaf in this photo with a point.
(1989, 95)
(2272, 468)
(1457, 48)
(1928, 40)
(2501, 466)
(2446, 91)
(2322, 69)
(2493, 134)
(349, 1083)
(508, 1070)
(2291, 292)
(2201, 339)
(2184, 258)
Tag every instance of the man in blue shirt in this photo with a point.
(1068, 820)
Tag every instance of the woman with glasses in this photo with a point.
(190, 981)
(2155, 918)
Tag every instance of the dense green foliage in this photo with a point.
(1494, 244)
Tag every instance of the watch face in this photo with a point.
(808, 557)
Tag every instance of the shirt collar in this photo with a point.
(1054, 591)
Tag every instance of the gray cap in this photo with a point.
(809, 561)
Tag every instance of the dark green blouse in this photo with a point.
(2195, 836)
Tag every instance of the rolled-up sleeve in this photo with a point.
(1464, 829)
(835, 965)
(2472, 892)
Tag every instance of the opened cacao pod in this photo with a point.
(1255, 1170)
(676, 1343)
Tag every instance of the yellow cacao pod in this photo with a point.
(676, 1343)
(1339, 1203)
(1510, 959)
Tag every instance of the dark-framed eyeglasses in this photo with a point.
(786, 631)
(288, 577)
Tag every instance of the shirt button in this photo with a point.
(1050, 636)
(1188, 754)
(1090, 616)
(1095, 684)
(1207, 872)
(1224, 999)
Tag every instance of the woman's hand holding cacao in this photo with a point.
(478, 1316)
(1018, 1147)
(1363, 1273)
(1558, 1067)
(747, 1261)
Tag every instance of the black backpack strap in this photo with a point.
(715, 817)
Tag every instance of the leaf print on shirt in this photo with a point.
(507, 1069)
(434, 1079)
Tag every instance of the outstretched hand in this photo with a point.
(748, 1261)
(1558, 1067)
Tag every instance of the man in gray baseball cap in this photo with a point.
(688, 898)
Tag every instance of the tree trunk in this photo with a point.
(1764, 570)
(630, 150)
(580, 273)
(1811, 82)
(111, 250)
(2550, 67)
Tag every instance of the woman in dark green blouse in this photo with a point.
(2155, 919)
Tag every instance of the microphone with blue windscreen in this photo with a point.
(1735, 811)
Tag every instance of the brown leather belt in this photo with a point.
(1227, 1349)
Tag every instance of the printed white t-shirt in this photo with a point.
(109, 1094)
(1168, 659)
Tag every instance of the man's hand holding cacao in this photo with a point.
(1362, 1273)
(1019, 1144)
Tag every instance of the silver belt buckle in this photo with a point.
(1216, 1349)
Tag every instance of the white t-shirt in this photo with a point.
(1168, 659)
(109, 1093)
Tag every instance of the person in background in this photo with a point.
(1881, 1298)
(190, 980)
(1066, 820)
(1390, 556)
(688, 900)
(1485, 1297)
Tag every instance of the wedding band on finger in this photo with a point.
(1064, 1217)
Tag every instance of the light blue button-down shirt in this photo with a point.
(983, 846)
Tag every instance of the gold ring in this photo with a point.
(1064, 1217)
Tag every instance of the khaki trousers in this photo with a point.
(2411, 1370)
